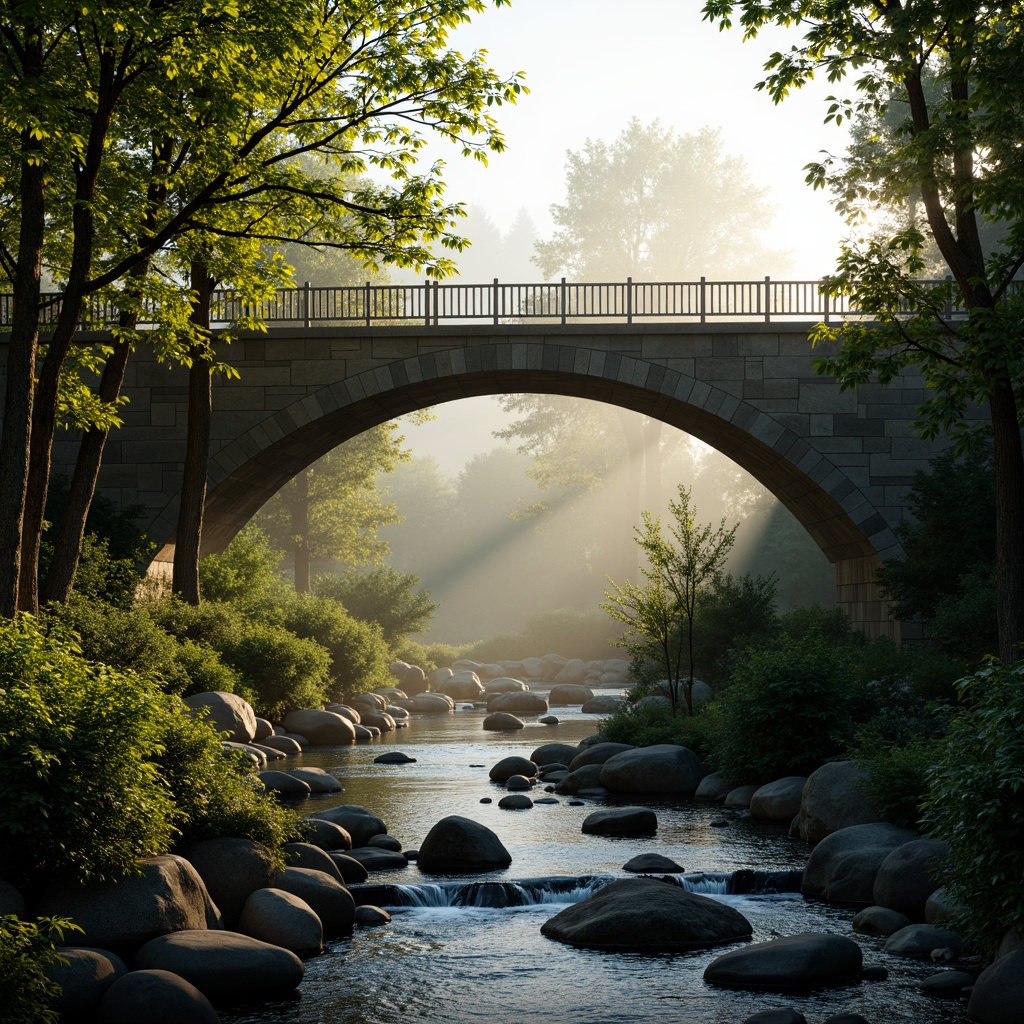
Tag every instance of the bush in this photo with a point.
(383, 596)
(787, 711)
(79, 789)
(245, 572)
(359, 656)
(27, 949)
(430, 656)
(829, 623)
(976, 803)
(649, 724)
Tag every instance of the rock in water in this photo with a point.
(456, 844)
(646, 915)
(809, 960)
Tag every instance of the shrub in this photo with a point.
(79, 789)
(786, 711)
(897, 776)
(430, 656)
(648, 724)
(27, 949)
(246, 571)
(976, 803)
(359, 657)
(828, 623)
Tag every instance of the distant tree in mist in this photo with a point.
(653, 205)
(492, 254)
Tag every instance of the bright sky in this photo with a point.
(589, 70)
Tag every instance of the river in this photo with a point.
(491, 965)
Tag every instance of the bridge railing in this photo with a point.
(433, 303)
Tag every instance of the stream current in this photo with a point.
(468, 949)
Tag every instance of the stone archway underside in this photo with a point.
(813, 497)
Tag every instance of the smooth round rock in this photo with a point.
(328, 835)
(597, 753)
(947, 984)
(156, 997)
(84, 978)
(352, 872)
(360, 823)
(502, 721)
(369, 916)
(808, 960)
(284, 783)
(518, 782)
(779, 800)
(779, 1015)
(306, 855)
(621, 821)
(998, 994)
(713, 787)
(515, 802)
(879, 921)
(373, 858)
(661, 768)
(842, 867)
(918, 941)
(456, 844)
(645, 915)
(329, 899)
(652, 863)
(225, 712)
(394, 757)
(553, 753)
(282, 919)
(509, 766)
(909, 875)
(321, 728)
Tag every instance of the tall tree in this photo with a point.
(243, 90)
(656, 206)
(957, 66)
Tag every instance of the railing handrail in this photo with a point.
(433, 303)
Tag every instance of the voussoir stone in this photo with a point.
(779, 800)
(842, 867)
(998, 993)
(662, 768)
(321, 728)
(456, 844)
(225, 712)
(169, 895)
(809, 960)
(646, 915)
(224, 966)
(621, 821)
(156, 997)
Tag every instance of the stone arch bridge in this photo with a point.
(841, 462)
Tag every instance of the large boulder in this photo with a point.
(225, 712)
(431, 704)
(909, 875)
(361, 824)
(833, 798)
(652, 863)
(843, 866)
(998, 994)
(231, 869)
(282, 919)
(502, 721)
(553, 753)
(587, 777)
(569, 694)
(457, 845)
(802, 961)
(306, 855)
(621, 821)
(504, 684)
(224, 966)
(518, 702)
(328, 835)
(646, 915)
(168, 896)
(328, 898)
(321, 728)
(84, 977)
(572, 673)
(713, 787)
(504, 769)
(779, 800)
(603, 704)
(919, 941)
(597, 753)
(662, 768)
(156, 997)
(463, 685)
(318, 780)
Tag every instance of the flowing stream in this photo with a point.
(468, 949)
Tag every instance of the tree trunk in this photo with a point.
(21, 364)
(300, 531)
(1009, 472)
(189, 534)
(68, 544)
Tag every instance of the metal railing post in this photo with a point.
(825, 295)
(437, 300)
(767, 299)
(494, 301)
(307, 320)
(703, 300)
(366, 303)
(426, 302)
(561, 299)
(629, 300)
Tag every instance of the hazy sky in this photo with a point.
(589, 70)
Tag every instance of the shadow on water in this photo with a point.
(468, 950)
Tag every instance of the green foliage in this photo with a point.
(568, 631)
(787, 710)
(433, 655)
(359, 656)
(245, 572)
(659, 615)
(644, 725)
(79, 790)
(975, 803)
(383, 596)
(27, 949)
(830, 624)
(216, 792)
(963, 624)
(897, 776)
(732, 615)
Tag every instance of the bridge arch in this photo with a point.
(824, 497)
